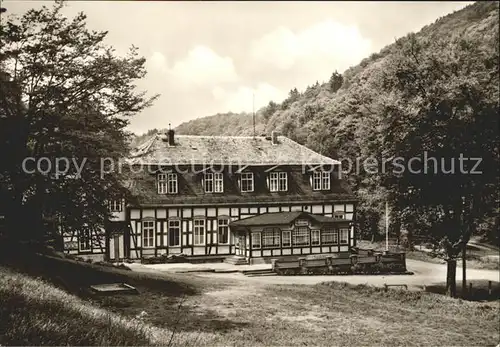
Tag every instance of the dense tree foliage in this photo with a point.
(65, 96)
(441, 108)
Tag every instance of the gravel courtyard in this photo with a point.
(424, 273)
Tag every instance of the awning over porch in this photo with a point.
(280, 218)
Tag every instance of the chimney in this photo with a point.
(170, 137)
(274, 137)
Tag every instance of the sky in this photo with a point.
(208, 57)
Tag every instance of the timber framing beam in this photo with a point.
(272, 168)
(240, 170)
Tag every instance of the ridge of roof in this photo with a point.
(258, 150)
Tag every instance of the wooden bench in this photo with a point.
(315, 263)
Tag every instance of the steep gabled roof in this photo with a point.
(225, 150)
(280, 218)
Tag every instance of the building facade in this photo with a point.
(190, 189)
(281, 234)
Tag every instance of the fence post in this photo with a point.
(489, 288)
(470, 290)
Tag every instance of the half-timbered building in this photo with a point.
(194, 192)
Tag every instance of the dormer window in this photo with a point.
(213, 182)
(115, 205)
(278, 182)
(246, 182)
(167, 183)
(321, 180)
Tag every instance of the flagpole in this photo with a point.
(386, 226)
(253, 113)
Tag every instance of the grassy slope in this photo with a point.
(34, 312)
(227, 311)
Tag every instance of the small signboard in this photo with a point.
(301, 222)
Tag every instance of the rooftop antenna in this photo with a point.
(253, 113)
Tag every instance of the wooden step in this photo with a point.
(236, 260)
(257, 272)
(260, 274)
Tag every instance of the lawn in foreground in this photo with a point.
(252, 314)
(34, 312)
(235, 312)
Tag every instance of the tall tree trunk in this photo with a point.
(409, 236)
(451, 277)
(464, 268)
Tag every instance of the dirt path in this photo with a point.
(424, 274)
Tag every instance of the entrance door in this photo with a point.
(117, 242)
(116, 249)
(242, 245)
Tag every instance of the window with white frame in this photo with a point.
(321, 180)
(148, 234)
(174, 232)
(85, 240)
(329, 236)
(218, 182)
(172, 185)
(255, 240)
(283, 181)
(286, 239)
(214, 182)
(246, 182)
(316, 180)
(271, 237)
(167, 183)
(301, 236)
(162, 183)
(325, 180)
(273, 181)
(278, 182)
(199, 232)
(315, 237)
(223, 230)
(344, 236)
(115, 205)
(208, 182)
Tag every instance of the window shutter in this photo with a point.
(268, 182)
(311, 180)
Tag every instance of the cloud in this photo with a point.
(157, 61)
(242, 99)
(202, 67)
(327, 43)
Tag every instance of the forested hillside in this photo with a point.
(349, 116)
(302, 110)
